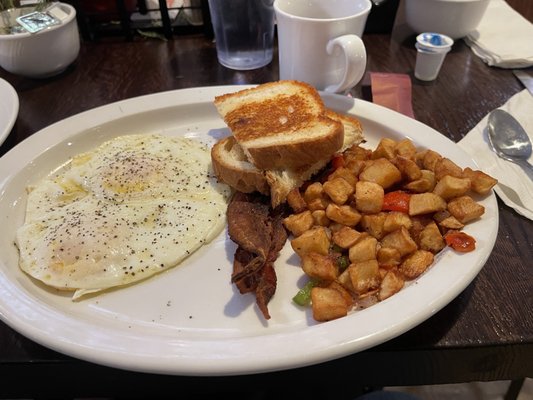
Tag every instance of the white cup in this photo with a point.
(320, 42)
(431, 51)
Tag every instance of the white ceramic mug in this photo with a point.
(320, 41)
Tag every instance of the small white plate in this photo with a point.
(191, 320)
(9, 108)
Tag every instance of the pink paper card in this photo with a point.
(392, 91)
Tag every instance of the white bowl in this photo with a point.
(41, 54)
(454, 18)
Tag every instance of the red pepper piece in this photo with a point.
(396, 201)
(460, 241)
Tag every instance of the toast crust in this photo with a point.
(233, 169)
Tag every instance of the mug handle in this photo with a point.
(353, 49)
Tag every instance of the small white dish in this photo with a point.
(9, 109)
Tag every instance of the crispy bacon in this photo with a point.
(260, 235)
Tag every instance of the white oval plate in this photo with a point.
(9, 108)
(191, 320)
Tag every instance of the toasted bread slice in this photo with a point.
(281, 125)
(232, 167)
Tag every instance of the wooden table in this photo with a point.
(485, 334)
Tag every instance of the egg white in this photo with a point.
(133, 207)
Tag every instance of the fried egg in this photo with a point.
(133, 207)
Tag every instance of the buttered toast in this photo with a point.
(281, 125)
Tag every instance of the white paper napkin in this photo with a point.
(514, 186)
(503, 38)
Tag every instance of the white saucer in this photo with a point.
(9, 108)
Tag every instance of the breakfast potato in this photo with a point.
(327, 304)
(320, 218)
(344, 214)
(319, 203)
(313, 191)
(385, 149)
(391, 283)
(345, 173)
(465, 209)
(450, 186)
(299, 223)
(296, 201)
(416, 263)
(319, 266)
(394, 220)
(355, 166)
(481, 183)
(425, 203)
(444, 166)
(382, 172)
(425, 184)
(374, 224)
(364, 276)
(430, 238)
(430, 159)
(363, 250)
(406, 148)
(338, 190)
(445, 220)
(315, 240)
(388, 256)
(357, 152)
(346, 237)
(408, 168)
(400, 240)
(346, 295)
(368, 197)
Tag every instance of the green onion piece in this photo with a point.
(303, 297)
(343, 262)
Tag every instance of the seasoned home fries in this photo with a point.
(376, 220)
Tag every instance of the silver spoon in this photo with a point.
(509, 139)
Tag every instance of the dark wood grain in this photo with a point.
(486, 333)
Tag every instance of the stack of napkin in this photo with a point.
(514, 187)
(503, 38)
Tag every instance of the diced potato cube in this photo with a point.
(315, 240)
(313, 191)
(465, 209)
(346, 237)
(369, 197)
(430, 160)
(447, 221)
(355, 166)
(345, 280)
(385, 149)
(345, 173)
(406, 148)
(320, 218)
(481, 182)
(415, 264)
(299, 223)
(344, 214)
(450, 186)
(425, 203)
(395, 220)
(296, 201)
(445, 166)
(400, 240)
(319, 203)
(391, 284)
(382, 172)
(319, 266)
(346, 294)
(364, 276)
(338, 190)
(409, 169)
(356, 152)
(363, 250)
(388, 256)
(327, 304)
(373, 224)
(430, 238)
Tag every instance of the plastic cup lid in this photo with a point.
(435, 42)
